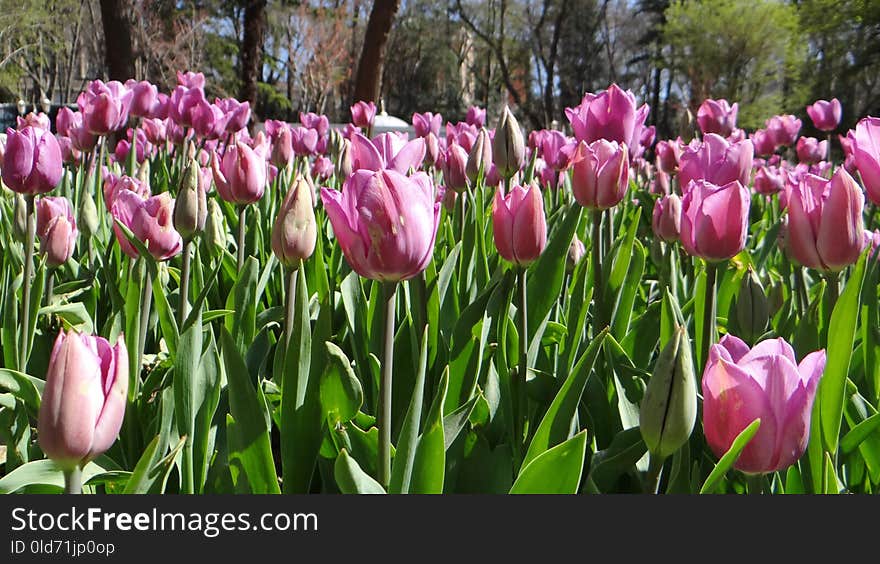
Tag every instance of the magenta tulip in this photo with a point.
(557, 150)
(783, 129)
(426, 123)
(717, 116)
(294, 232)
(38, 120)
(865, 145)
(191, 79)
(518, 224)
(144, 98)
(150, 221)
(717, 161)
(322, 168)
(241, 174)
(769, 180)
(611, 115)
(385, 222)
(155, 130)
(600, 174)
(810, 150)
(766, 383)
(666, 220)
(84, 398)
(825, 114)
(825, 226)
(714, 219)
(317, 122)
(56, 229)
(236, 114)
(304, 141)
(363, 114)
(387, 151)
(113, 185)
(476, 117)
(763, 142)
(455, 168)
(105, 107)
(668, 153)
(31, 161)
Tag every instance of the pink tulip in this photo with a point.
(322, 168)
(609, 115)
(56, 228)
(476, 117)
(432, 149)
(769, 180)
(426, 123)
(666, 220)
(825, 115)
(600, 174)
(282, 145)
(668, 153)
(144, 99)
(825, 226)
(38, 120)
(66, 119)
(84, 398)
(155, 130)
(294, 232)
(31, 161)
(69, 153)
(810, 150)
(783, 129)
(462, 134)
(763, 142)
(387, 151)
(385, 222)
(105, 107)
(241, 174)
(455, 168)
(150, 221)
(363, 114)
(717, 116)
(113, 185)
(865, 147)
(236, 114)
(142, 147)
(714, 219)
(557, 150)
(304, 141)
(176, 133)
(317, 122)
(518, 224)
(717, 161)
(191, 79)
(184, 102)
(766, 383)
(660, 184)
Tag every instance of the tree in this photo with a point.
(372, 58)
(118, 52)
(251, 49)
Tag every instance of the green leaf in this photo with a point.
(626, 448)
(556, 423)
(188, 388)
(341, 392)
(26, 388)
(150, 469)
(43, 473)
(456, 421)
(858, 434)
(620, 266)
(244, 297)
(841, 332)
(727, 461)
(429, 462)
(248, 436)
(555, 471)
(74, 315)
(401, 469)
(351, 479)
(626, 297)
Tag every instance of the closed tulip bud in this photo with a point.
(56, 228)
(865, 149)
(240, 175)
(84, 398)
(32, 161)
(717, 116)
(752, 307)
(215, 226)
(344, 166)
(480, 156)
(385, 222)
(714, 219)
(600, 174)
(294, 232)
(666, 220)
(455, 168)
(825, 114)
(88, 214)
(825, 225)
(669, 407)
(518, 224)
(363, 114)
(576, 251)
(508, 146)
(783, 129)
(766, 383)
(810, 150)
(191, 206)
(19, 222)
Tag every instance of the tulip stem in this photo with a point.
(523, 370)
(26, 284)
(833, 279)
(709, 313)
(184, 283)
(50, 286)
(291, 307)
(73, 480)
(673, 270)
(755, 484)
(596, 259)
(241, 217)
(384, 422)
(655, 469)
(146, 304)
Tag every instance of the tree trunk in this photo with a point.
(369, 71)
(118, 51)
(252, 49)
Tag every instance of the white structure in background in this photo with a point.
(384, 123)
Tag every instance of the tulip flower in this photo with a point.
(480, 156)
(426, 123)
(432, 149)
(317, 122)
(113, 185)
(783, 129)
(385, 222)
(32, 161)
(56, 228)
(600, 174)
(105, 107)
(183, 103)
(38, 120)
(717, 161)
(191, 79)
(518, 224)
(84, 399)
(557, 150)
(825, 114)
(666, 219)
(668, 153)
(455, 168)
(476, 117)
(387, 151)
(208, 120)
(508, 146)
(235, 114)
(144, 98)
(304, 141)
(322, 168)
(462, 134)
(825, 226)
(150, 221)
(714, 219)
(810, 150)
(240, 175)
(717, 116)
(865, 146)
(295, 231)
(766, 383)
(363, 114)
(609, 115)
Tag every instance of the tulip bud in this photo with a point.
(215, 226)
(19, 224)
(518, 224)
(143, 172)
(56, 228)
(480, 156)
(191, 207)
(88, 214)
(294, 232)
(669, 406)
(508, 147)
(752, 308)
(576, 251)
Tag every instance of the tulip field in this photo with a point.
(195, 303)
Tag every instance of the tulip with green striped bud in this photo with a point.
(508, 146)
(752, 307)
(191, 206)
(215, 227)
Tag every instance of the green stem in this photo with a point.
(385, 381)
(291, 307)
(709, 314)
(26, 288)
(596, 259)
(523, 370)
(241, 225)
(833, 279)
(184, 283)
(50, 286)
(673, 269)
(73, 480)
(652, 479)
(146, 304)
(755, 484)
